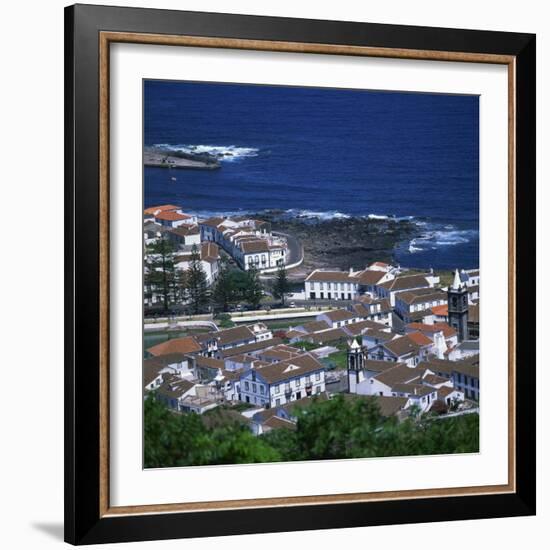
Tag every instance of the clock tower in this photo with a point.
(457, 303)
(356, 363)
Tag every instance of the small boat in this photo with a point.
(173, 179)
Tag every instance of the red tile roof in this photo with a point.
(171, 216)
(440, 310)
(187, 344)
(161, 208)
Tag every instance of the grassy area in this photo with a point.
(277, 325)
(338, 359)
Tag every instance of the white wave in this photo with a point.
(446, 237)
(224, 153)
(324, 216)
(413, 248)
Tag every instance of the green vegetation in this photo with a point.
(338, 359)
(281, 286)
(235, 286)
(195, 287)
(223, 320)
(334, 429)
(160, 275)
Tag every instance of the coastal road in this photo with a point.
(295, 248)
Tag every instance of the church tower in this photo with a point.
(356, 363)
(457, 297)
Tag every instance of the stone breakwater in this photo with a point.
(163, 158)
(345, 243)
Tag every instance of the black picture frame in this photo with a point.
(84, 523)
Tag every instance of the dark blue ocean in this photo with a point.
(329, 152)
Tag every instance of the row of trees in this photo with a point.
(334, 429)
(189, 286)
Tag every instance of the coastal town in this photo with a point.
(237, 332)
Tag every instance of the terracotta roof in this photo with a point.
(330, 276)
(235, 334)
(447, 330)
(210, 252)
(379, 366)
(162, 208)
(275, 422)
(406, 282)
(175, 387)
(315, 326)
(292, 406)
(356, 329)
(390, 406)
(370, 277)
(252, 247)
(187, 344)
(209, 362)
(292, 368)
(150, 372)
(434, 379)
(379, 334)
(214, 221)
(421, 296)
(339, 315)
(248, 348)
(400, 374)
(418, 390)
(403, 345)
(328, 336)
(171, 216)
(419, 338)
(165, 359)
(442, 310)
(438, 365)
(185, 230)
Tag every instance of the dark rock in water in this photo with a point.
(343, 243)
(167, 158)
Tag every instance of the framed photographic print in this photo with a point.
(300, 258)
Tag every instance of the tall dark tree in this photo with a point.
(160, 271)
(223, 294)
(254, 290)
(195, 284)
(281, 286)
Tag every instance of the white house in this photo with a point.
(250, 242)
(185, 235)
(343, 285)
(209, 258)
(442, 335)
(414, 305)
(282, 382)
(404, 283)
(171, 218)
(338, 318)
(410, 349)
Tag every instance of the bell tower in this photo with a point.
(356, 363)
(457, 303)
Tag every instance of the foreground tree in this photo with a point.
(281, 286)
(172, 440)
(254, 291)
(195, 285)
(160, 272)
(223, 294)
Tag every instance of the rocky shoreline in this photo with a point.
(164, 158)
(343, 243)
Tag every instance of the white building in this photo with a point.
(344, 285)
(279, 383)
